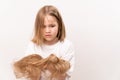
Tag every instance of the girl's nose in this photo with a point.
(47, 29)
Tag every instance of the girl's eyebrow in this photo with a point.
(52, 24)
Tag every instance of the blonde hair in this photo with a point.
(26, 68)
(33, 65)
(39, 23)
(55, 65)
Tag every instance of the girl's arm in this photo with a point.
(70, 56)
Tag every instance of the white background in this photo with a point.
(92, 25)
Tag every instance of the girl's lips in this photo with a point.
(47, 35)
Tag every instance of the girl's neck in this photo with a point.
(51, 42)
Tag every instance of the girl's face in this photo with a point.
(50, 30)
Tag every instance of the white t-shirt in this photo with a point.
(64, 50)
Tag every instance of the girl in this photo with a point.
(49, 37)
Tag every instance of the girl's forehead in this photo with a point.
(50, 18)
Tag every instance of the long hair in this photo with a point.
(33, 66)
(39, 23)
(56, 66)
(25, 67)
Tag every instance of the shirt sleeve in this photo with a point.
(70, 56)
(30, 49)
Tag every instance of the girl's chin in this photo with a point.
(50, 41)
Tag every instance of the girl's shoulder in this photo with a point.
(31, 43)
(67, 42)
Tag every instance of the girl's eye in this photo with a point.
(52, 25)
(43, 26)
